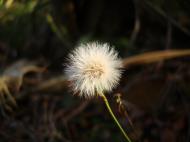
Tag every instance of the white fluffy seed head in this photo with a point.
(93, 68)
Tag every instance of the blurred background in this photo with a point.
(152, 100)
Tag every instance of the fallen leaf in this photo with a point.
(12, 79)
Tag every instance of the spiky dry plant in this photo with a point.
(94, 69)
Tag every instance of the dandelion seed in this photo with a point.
(93, 68)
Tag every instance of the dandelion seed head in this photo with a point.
(93, 68)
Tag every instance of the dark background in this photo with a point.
(152, 100)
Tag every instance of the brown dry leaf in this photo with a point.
(12, 78)
(156, 56)
(146, 93)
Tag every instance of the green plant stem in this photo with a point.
(113, 116)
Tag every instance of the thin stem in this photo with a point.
(113, 116)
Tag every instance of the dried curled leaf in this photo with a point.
(12, 79)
